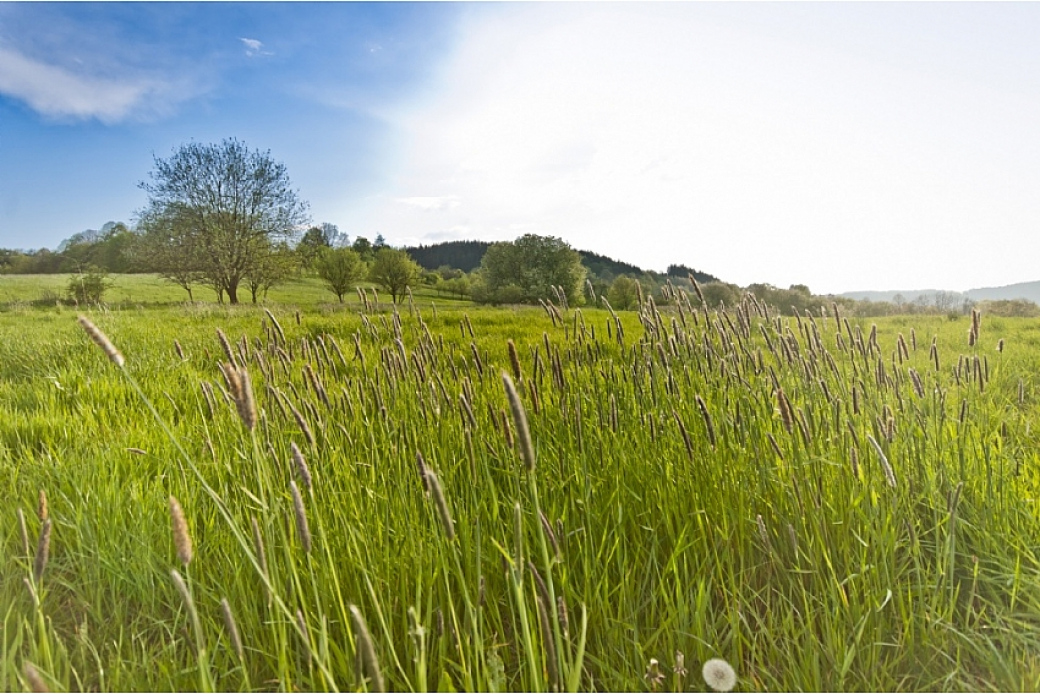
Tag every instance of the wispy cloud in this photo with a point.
(686, 133)
(57, 91)
(254, 47)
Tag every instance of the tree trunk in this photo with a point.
(232, 292)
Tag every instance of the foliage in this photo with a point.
(624, 294)
(394, 271)
(462, 255)
(675, 502)
(88, 287)
(225, 206)
(527, 270)
(683, 271)
(363, 247)
(1009, 308)
(311, 246)
(340, 269)
(270, 267)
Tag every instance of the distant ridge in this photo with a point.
(1030, 291)
(466, 256)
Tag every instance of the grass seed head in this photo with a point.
(99, 338)
(301, 517)
(520, 419)
(33, 677)
(300, 462)
(232, 628)
(226, 345)
(181, 536)
(245, 403)
(514, 361)
(41, 507)
(441, 504)
(367, 651)
(43, 551)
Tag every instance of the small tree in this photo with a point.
(270, 268)
(230, 203)
(623, 293)
(394, 271)
(88, 287)
(311, 247)
(340, 269)
(527, 270)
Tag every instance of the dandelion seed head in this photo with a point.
(719, 675)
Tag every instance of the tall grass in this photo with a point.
(503, 500)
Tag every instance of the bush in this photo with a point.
(88, 287)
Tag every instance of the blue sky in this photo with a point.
(840, 145)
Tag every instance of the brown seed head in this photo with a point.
(43, 551)
(245, 403)
(41, 507)
(441, 504)
(520, 419)
(301, 517)
(300, 462)
(33, 677)
(367, 651)
(232, 628)
(99, 338)
(181, 536)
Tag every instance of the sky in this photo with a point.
(845, 146)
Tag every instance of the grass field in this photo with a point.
(840, 513)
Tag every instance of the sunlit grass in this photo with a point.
(668, 508)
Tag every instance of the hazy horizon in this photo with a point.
(843, 146)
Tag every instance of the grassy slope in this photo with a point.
(846, 583)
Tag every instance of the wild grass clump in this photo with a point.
(605, 501)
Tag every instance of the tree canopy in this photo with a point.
(340, 269)
(225, 207)
(394, 271)
(527, 269)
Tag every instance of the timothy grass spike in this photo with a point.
(43, 550)
(181, 536)
(367, 651)
(301, 517)
(102, 341)
(520, 419)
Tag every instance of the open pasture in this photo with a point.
(822, 505)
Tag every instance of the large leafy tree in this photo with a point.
(340, 269)
(230, 205)
(394, 270)
(528, 268)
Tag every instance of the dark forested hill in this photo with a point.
(466, 256)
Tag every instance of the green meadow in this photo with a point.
(823, 504)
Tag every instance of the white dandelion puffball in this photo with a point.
(719, 675)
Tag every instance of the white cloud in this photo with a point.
(664, 133)
(254, 47)
(58, 92)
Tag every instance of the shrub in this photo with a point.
(88, 287)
